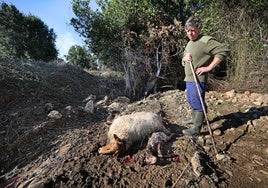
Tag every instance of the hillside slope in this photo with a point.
(39, 150)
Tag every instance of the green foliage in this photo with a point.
(138, 37)
(92, 27)
(41, 40)
(119, 26)
(12, 40)
(243, 25)
(143, 39)
(79, 56)
(25, 36)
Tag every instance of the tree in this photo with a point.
(126, 36)
(25, 36)
(78, 55)
(12, 32)
(40, 40)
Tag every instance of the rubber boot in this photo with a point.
(189, 121)
(198, 122)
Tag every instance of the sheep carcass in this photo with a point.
(154, 148)
(127, 129)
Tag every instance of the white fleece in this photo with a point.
(135, 127)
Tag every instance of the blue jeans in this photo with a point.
(193, 96)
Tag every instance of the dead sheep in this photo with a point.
(127, 129)
(154, 148)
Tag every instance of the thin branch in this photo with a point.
(180, 175)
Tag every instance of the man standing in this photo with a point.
(205, 53)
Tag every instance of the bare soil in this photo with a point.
(42, 151)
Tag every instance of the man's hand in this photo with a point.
(202, 70)
(212, 65)
(187, 58)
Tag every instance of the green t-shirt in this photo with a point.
(203, 51)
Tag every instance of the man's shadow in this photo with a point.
(237, 119)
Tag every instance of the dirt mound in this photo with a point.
(62, 151)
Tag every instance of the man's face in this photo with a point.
(192, 33)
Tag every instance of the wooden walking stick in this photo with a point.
(203, 107)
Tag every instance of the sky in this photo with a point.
(56, 14)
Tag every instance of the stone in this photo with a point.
(54, 114)
(230, 94)
(257, 103)
(114, 107)
(123, 99)
(217, 132)
(222, 156)
(89, 107)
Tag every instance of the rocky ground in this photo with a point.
(51, 133)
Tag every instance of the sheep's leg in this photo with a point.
(159, 150)
(170, 137)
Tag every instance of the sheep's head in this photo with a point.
(115, 147)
